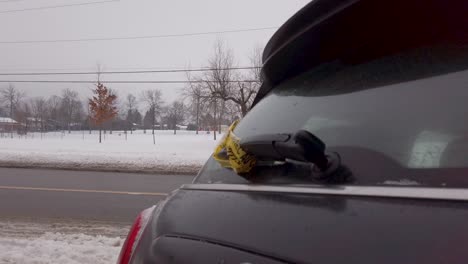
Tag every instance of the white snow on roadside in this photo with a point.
(184, 151)
(38, 241)
(402, 182)
(60, 248)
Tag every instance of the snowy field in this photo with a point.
(182, 153)
(67, 242)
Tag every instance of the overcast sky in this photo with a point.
(128, 18)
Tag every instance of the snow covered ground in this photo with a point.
(182, 153)
(60, 248)
(60, 242)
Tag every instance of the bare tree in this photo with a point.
(11, 97)
(54, 104)
(221, 75)
(176, 114)
(80, 115)
(88, 116)
(215, 84)
(257, 63)
(131, 104)
(198, 96)
(243, 96)
(39, 110)
(242, 93)
(154, 102)
(232, 112)
(221, 84)
(217, 106)
(219, 78)
(70, 105)
(22, 113)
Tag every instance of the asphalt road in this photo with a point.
(80, 195)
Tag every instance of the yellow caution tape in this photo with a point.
(236, 159)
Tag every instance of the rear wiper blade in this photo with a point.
(302, 146)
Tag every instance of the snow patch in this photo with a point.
(60, 248)
(7, 120)
(185, 152)
(402, 182)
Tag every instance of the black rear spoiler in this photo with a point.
(355, 31)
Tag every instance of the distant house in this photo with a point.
(160, 126)
(181, 127)
(136, 126)
(76, 126)
(7, 124)
(34, 124)
(37, 124)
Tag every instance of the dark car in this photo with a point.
(356, 149)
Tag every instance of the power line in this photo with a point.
(54, 7)
(88, 69)
(137, 37)
(121, 82)
(126, 72)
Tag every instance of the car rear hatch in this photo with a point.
(311, 228)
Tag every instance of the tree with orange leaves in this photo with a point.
(102, 106)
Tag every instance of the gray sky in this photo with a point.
(127, 18)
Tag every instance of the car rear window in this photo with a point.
(384, 86)
(389, 116)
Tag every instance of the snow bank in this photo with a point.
(182, 153)
(60, 248)
(402, 182)
(37, 241)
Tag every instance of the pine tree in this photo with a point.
(102, 106)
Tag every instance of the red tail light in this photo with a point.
(134, 236)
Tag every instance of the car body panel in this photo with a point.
(167, 249)
(312, 228)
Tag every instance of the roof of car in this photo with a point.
(313, 13)
(352, 31)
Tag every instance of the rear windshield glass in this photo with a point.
(401, 116)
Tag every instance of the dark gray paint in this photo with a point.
(319, 228)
